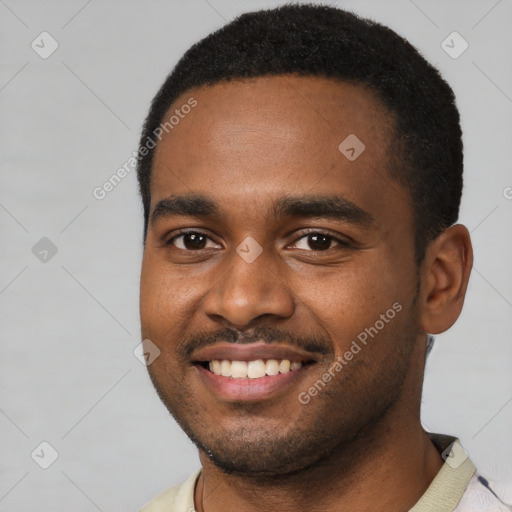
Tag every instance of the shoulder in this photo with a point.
(175, 499)
(481, 495)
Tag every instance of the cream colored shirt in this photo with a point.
(456, 488)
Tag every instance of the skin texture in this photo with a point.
(359, 441)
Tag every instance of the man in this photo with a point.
(301, 174)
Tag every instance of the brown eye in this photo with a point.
(315, 242)
(319, 242)
(192, 241)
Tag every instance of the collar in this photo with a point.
(450, 483)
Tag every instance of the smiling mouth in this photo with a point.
(254, 369)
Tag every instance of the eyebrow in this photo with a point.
(330, 207)
(310, 206)
(192, 205)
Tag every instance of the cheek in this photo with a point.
(156, 298)
(348, 299)
(162, 319)
(149, 291)
(166, 299)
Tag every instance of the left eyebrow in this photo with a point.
(330, 207)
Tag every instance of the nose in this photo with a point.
(248, 291)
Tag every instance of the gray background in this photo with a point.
(70, 324)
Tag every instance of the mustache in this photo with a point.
(267, 334)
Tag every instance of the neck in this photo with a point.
(392, 468)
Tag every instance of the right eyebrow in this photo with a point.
(193, 205)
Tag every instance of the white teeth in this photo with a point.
(225, 368)
(256, 369)
(216, 367)
(252, 369)
(239, 369)
(284, 366)
(272, 367)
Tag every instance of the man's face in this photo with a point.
(269, 243)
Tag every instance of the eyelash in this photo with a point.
(339, 242)
(182, 233)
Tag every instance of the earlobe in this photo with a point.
(444, 279)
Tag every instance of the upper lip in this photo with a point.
(250, 352)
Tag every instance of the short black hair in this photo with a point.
(323, 41)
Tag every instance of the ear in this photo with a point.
(444, 279)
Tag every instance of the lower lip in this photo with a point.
(236, 390)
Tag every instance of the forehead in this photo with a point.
(274, 136)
